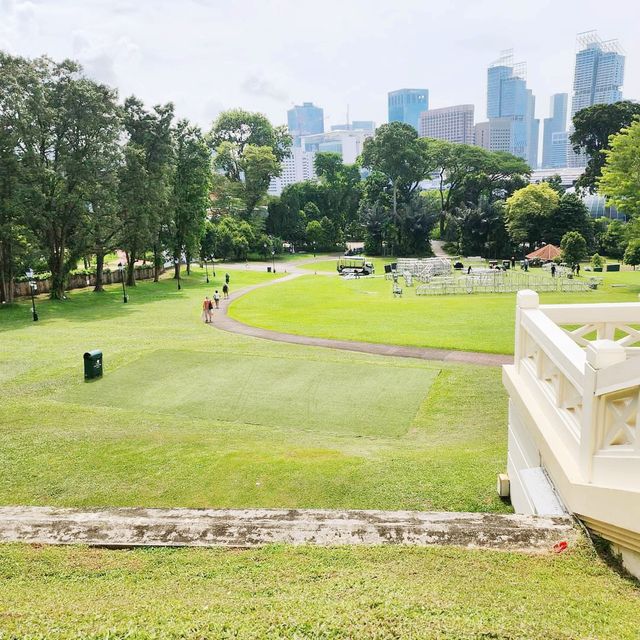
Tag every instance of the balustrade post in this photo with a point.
(600, 355)
(525, 299)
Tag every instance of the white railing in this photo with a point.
(580, 361)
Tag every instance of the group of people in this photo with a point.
(209, 304)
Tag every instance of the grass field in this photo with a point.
(304, 593)
(364, 309)
(191, 416)
(187, 415)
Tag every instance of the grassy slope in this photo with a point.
(364, 309)
(187, 415)
(285, 592)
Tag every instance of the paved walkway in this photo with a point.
(139, 527)
(223, 321)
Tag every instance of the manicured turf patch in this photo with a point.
(444, 456)
(354, 398)
(294, 592)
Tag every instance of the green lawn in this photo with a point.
(191, 416)
(307, 592)
(364, 309)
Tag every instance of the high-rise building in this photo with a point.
(510, 102)
(556, 123)
(347, 143)
(303, 120)
(599, 72)
(406, 105)
(597, 79)
(297, 167)
(454, 124)
(355, 125)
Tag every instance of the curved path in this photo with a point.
(223, 321)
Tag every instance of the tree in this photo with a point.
(482, 230)
(571, 214)
(400, 156)
(67, 125)
(620, 180)
(632, 253)
(376, 220)
(574, 247)
(258, 165)
(614, 240)
(315, 233)
(528, 212)
(190, 192)
(242, 128)
(593, 128)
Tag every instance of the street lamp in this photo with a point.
(125, 298)
(265, 250)
(206, 270)
(33, 286)
(177, 263)
(273, 260)
(314, 248)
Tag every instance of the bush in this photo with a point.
(632, 253)
(597, 262)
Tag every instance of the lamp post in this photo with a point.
(314, 248)
(273, 260)
(206, 270)
(265, 250)
(125, 298)
(177, 263)
(33, 288)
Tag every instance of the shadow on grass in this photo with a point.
(88, 305)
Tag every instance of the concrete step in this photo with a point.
(132, 527)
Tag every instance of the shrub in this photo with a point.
(597, 262)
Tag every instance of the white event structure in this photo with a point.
(574, 417)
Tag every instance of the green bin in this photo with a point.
(92, 364)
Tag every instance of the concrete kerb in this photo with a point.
(243, 528)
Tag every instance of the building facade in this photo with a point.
(511, 125)
(347, 143)
(305, 119)
(553, 125)
(454, 124)
(298, 167)
(598, 79)
(406, 105)
(356, 125)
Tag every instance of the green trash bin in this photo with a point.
(92, 364)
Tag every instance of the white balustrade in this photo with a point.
(587, 379)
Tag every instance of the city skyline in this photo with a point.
(163, 52)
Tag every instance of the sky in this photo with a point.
(267, 55)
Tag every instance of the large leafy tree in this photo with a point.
(10, 225)
(593, 128)
(574, 247)
(620, 179)
(528, 212)
(191, 185)
(248, 150)
(68, 124)
(150, 141)
(571, 214)
(397, 154)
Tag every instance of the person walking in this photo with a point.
(207, 310)
(513, 262)
(216, 298)
(553, 270)
(225, 290)
(577, 268)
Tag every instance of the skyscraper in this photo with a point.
(509, 102)
(597, 79)
(556, 123)
(406, 105)
(303, 120)
(599, 72)
(454, 124)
